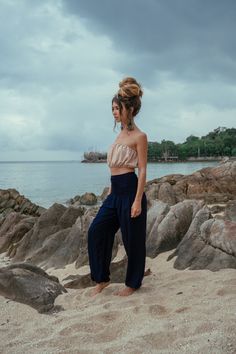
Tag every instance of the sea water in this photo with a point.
(47, 182)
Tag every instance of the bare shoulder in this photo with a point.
(141, 137)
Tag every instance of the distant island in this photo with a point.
(214, 146)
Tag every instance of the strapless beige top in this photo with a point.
(120, 155)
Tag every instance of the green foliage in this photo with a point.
(220, 142)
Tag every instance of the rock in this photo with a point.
(104, 193)
(30, 285)
(169, 231)
(14, 227)
(217, 208)
(70, 216)
(155, 215)
(230, 210)
(73, 201)
(47, 224)
(191, 243)
(85, 199)
(210, 245)
(152, 192)
(58, 238)
(212, 184)
(55, 239)
(166, 194)
(221, 234)
(11, 200)
(88, 199)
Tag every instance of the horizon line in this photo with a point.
(40, 161)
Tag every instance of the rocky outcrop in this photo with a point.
(13, 229)
(211, 184)
(85, 199)
(208, 244)
(58, 237)
(30, 285)
(170, 225)
(12, 200)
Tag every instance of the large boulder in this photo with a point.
(191, 244)
(170, 227)
(13, 229)
(211, 244)
(47, 244)
(47, 224)
(167, 194)
(30, 285)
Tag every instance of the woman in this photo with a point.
(125, 207)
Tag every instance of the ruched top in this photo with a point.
(120, 155)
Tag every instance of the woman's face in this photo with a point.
(116, 112)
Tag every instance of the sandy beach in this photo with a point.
(173, 312)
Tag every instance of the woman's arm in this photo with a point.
(142, 146)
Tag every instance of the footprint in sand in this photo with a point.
(157, 310)
(87, 327)
(111, 333)
(106, 317)
(182, 309)
(226, 291)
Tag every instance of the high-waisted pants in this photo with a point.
(115, 213)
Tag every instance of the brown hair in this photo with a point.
(129, 93)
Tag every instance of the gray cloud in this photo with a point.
(191, 39)
(61, 62)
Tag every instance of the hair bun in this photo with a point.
(129, 87)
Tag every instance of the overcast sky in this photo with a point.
(61, 62)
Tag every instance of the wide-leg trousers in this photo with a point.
(115, 213)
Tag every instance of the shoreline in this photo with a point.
(208, 159)
(172, 161)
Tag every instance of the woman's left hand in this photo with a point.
(136, 209)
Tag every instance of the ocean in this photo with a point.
(47, 182)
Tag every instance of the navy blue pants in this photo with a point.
(115, 213)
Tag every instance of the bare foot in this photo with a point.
(147, 272)
(125, 292)
(99, 287)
